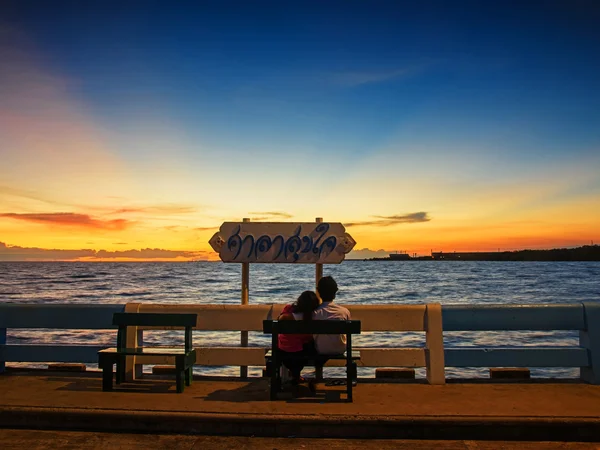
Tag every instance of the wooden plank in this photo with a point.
(170, 320)
(434, 354)
(282, 242)
(250, 317)
(221, 317)
(161, 351)
(217, 356)
(90, 317)
(255, 356)
(517, 357)
(50, 353)
(389, 317)
(513, 317)
(392, 357)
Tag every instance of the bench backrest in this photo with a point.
(311, 326)
(347, 327)
(125, 320)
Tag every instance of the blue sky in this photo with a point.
(329, 94)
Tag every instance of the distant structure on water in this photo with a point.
(585, 253)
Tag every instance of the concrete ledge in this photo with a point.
(510, 373)
(163, 370)
(67, 367)
(285, 425)
(401, 374)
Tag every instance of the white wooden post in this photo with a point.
(245, 291)
(134, 339)
(434, 344)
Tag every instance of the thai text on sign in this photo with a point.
(282, 242)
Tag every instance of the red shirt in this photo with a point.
(292, 342)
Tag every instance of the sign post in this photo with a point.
(248, 242)
(245, 296)
(318, 266)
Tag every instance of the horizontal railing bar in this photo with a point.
(161, 319)
(250, 317)
(89, 317)
(51, 353)
(206, 356)
(512, 317)
(517, 357)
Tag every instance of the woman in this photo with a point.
(295, 348)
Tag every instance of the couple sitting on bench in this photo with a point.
(295, 350)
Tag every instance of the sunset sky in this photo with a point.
(133, 129)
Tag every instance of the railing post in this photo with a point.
(434, 349)
(134, 337)
(590, 339)
(2, 342)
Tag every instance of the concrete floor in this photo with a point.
(452, 412)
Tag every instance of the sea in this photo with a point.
(360, 282)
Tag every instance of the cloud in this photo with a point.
(7, 191)
(70, 220)
(366, 253)
(361, 77)
(268, 215)
(158, 209)
(16, 253)
(352, 79)
(205, 228)
(386, 221)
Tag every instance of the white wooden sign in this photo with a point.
(282, 242)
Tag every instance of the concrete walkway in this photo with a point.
(528, 411)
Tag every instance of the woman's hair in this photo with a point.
(307, 302)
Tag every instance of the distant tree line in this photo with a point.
(585, 253)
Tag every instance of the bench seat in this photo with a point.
(185, 357)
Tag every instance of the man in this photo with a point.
(329, 344)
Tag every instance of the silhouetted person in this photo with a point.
(294, 349)
(329, 344)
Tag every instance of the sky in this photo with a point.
(132, 130)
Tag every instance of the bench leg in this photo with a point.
(180, 373)
(275, 381)
(180, 383)
(351, 375)
(107, 375)
(120, 377)
(188, 376)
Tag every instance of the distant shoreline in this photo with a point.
(584, 253)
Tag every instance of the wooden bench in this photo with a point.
(184, 357)
(274, 362)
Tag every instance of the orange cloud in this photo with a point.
(70, 219)
(385, 221)
(269, 215)
(160, 209)
(16, 253)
